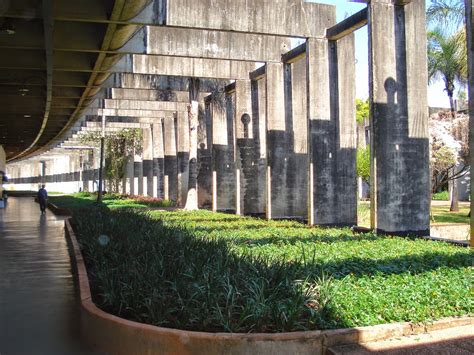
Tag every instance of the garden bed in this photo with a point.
(87, 200)
(222, 273)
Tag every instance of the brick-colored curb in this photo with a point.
(58, 210)
(115, 335)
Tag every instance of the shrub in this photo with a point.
(219, 272)
(441, 196)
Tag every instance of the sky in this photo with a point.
(436, 96)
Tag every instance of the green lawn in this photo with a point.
(86, 200)
(219, 272)
(440, 214)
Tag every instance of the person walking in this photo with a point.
(42, 198)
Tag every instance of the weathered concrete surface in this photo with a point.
(252, 181)
(297, 139)
(322, 194)
(223, 163)
(180, 66)
(158, 158)
(205, 156)
(152, 95)
(342, 69)
(288, 18)
(147, 160)
(170, 158)
(399, 124)
(470, 43)
(154, 82)
(276, 142)
(137, 104)
(212, 44)
(182, 143)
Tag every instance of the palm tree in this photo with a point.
(447, 60)
(446, 13)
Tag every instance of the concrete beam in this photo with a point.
(399, 118)
(156, 82)
(212, 44)
(286, 18)
(194, 67)
(295, 54)
(348, 25)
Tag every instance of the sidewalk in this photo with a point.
(453, 341)
(38, 310)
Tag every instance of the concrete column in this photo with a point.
(343, 114)
(332, 189)
(470, 51)
(247, 150)
(399, 118)
(204, 157)
(223, 153)
(254, 198)
(158, 160)
(138, 174)
(183, 156)
(297, 139)
(277, 142)
(147, 160)
(171, 168)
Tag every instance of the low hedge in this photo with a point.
(217, 272)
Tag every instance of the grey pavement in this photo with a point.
(39, 313)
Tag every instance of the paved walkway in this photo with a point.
(38, 310)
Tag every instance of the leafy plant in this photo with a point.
(218, 272)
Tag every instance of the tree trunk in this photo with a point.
(454, 193)
(193, 116)
(454, 182)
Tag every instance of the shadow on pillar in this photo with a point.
(402, 171)
(204, 177)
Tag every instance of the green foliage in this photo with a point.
(447, 58)
(362, 110)
(119, 148)
(83, 200)
(217, 272)
(441, 196)
(363, 163)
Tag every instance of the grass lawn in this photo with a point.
(86, 200)
(219, 272)
(440, 214)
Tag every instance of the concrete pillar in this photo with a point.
(247, 151)
(254, 198)
(276, 141)
(183, 156)
(204, 157)
(223, 153)
(158, 159)
(130, 181)
(399, 118)
(138, 174)
(343, 114)
(297, 139)
(470, 49)
(170, 168)
(147, 160)
(332, 190)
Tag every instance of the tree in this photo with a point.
(362, 110)
(447, 60)
(449, 151)
(120, 146)
(363, 163)
(446, 13)
(193, 117)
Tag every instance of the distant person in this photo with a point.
(42, 198)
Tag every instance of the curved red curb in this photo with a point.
(116, 335)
